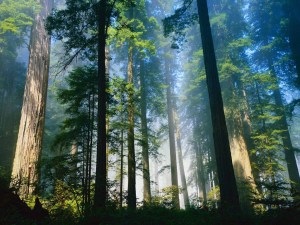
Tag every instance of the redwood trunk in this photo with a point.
(29, 143)
(131, 150)
(227, 182)
(101, 169)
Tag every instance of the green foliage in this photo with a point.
(15, 17)
(176, 24)
(80, 98)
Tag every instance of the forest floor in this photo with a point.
(13, 211)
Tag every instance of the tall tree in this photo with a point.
(227, 182)
(28, 150)
(180, 161)
(130, 136)
(172, 141)
(272, 46)
(145, 136)
(103, 18)
(15, 19)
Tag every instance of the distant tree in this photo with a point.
(227, 181)
(76, 135)
(270, 62)
(171, 126)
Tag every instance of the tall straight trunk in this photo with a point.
(145, 142)
(130, 137)
(174, 176)
(29, 143)
(121, 170)
(101, 170)
(286, 138)
(294, 33)
(180, 161)
(227, 182)
(237, 140)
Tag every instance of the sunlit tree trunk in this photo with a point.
(180, 161)
(237, 140)
(29, 143)
(170, 108)
(227, 182)
(145, 142)
(101, 169)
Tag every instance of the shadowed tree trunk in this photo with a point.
(101, 169)
(29, 143)
(130, 137)
(227, 182)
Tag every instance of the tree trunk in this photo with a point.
(174, 177)
(237, 140)
(227, 182)
(180, 161)
(121, 169)
(290, 157)
(145, 142)
(29, 143)
(201, 173)
(101, 169)
(131, 150)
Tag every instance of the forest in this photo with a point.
(152, 112)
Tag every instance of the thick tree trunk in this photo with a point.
(131, 149)
(237, 140)
(29, 143)
(170, 108)
(180, 161)
(227, 182)
(101, 169)
(145, 142)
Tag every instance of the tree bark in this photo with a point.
(29, 143)
(145, 142)
(131, 149)
(227, 182)
(101, 169)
